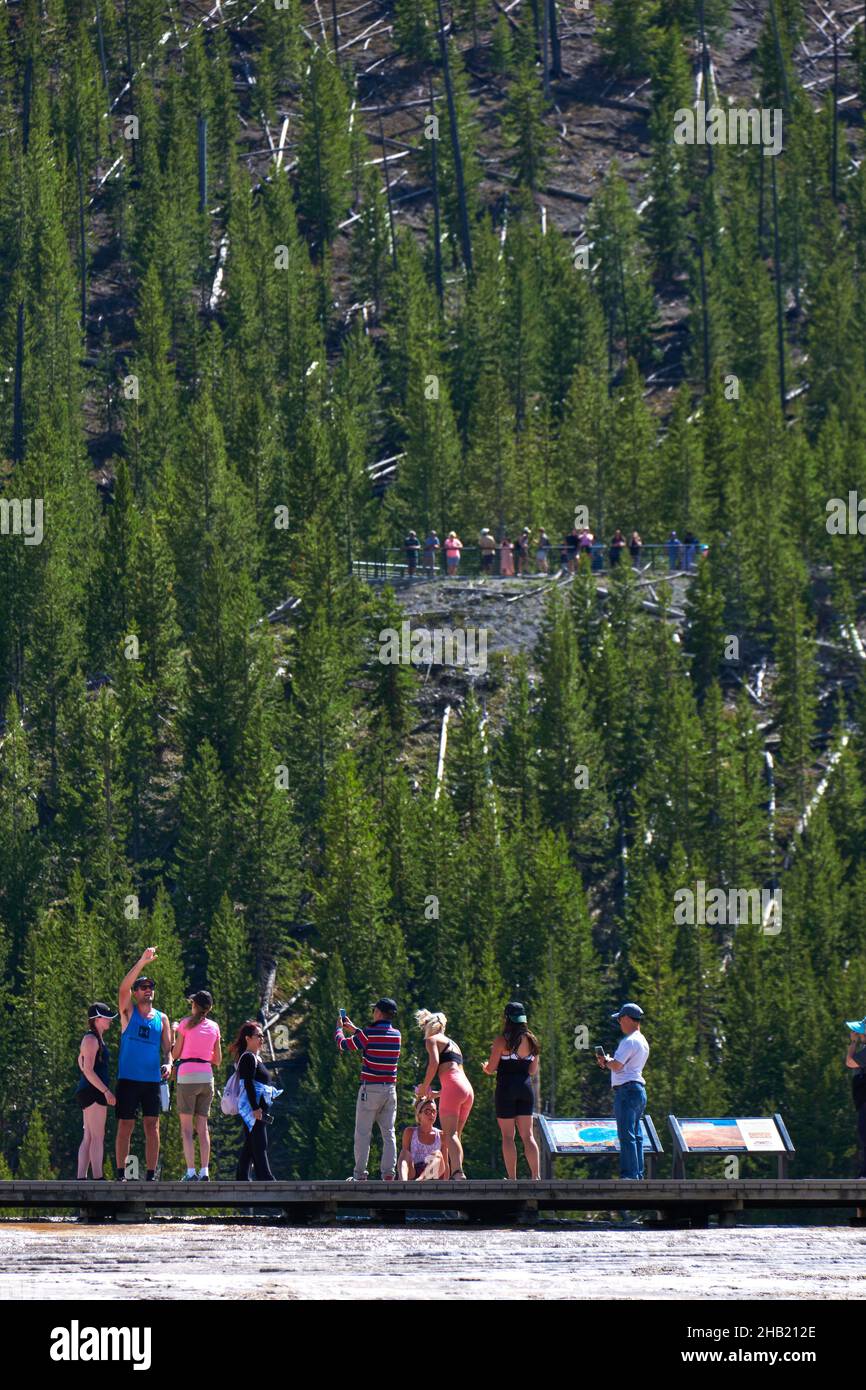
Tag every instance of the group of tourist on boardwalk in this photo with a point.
(151, 1047)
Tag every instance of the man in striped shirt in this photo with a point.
(379, 1045)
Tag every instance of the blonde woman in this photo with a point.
(445, 1059)
(453, 547)
(422, 1158)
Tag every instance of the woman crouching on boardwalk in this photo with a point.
(514, 1062)
(422, 1157)
(456, 1096)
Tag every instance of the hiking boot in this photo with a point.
(190, 1177)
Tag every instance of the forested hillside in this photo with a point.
(280, 281)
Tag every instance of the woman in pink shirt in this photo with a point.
(506, 556)
(453, 547)
(196, 1050)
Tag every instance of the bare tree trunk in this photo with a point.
(465, 241)
(104, 66)
(555, 45)
(18, 394)
(437, 229)
(834, 155)
(780, 323)
(705, 317)
(202, 163)
(25, 102)
(388, 194)
(82, 237)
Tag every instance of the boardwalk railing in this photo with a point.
(654, 561)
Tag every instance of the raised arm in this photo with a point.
(852, 1048)
(124, 994)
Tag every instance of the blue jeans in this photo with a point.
(629, 1104)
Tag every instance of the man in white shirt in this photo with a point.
(629, 1092)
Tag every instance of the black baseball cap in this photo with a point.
(202, 997)
(386, 1006)
(515, 1012)
(144, 981)
(100, 1011)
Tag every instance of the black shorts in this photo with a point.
(512, 1101)
(131, 1094)
(88, 1095)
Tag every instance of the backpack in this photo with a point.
(231, 1094)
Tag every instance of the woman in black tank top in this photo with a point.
(93, 1093)
(514, 1062)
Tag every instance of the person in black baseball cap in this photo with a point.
(629, 1091)
(513, 1061)
(144, 1063)
(94, 1094)
(379, 1044)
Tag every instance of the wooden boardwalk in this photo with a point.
(484, 1200)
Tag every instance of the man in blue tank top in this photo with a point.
(144, 1062)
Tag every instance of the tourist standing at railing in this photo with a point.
(617, 546)
(506, 557)
(379, 1045)
(453, 547)
(431, 546)
(629, 1089)
(94, 1094)
(584, 543)
(412, 547)
(196, 1049)
(521, 550)
(456, 1097)
(542, 553)
(690, 545)
(487, 546)
(257, 1095)
(572, 541)
(673, 548)
(635, 544)
(514, 1062)
(855, 1060)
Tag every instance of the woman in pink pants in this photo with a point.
(456, 1096)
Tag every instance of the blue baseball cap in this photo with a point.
(629, 1011)
(856, 1026)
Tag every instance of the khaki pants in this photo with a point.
(376, 1105)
